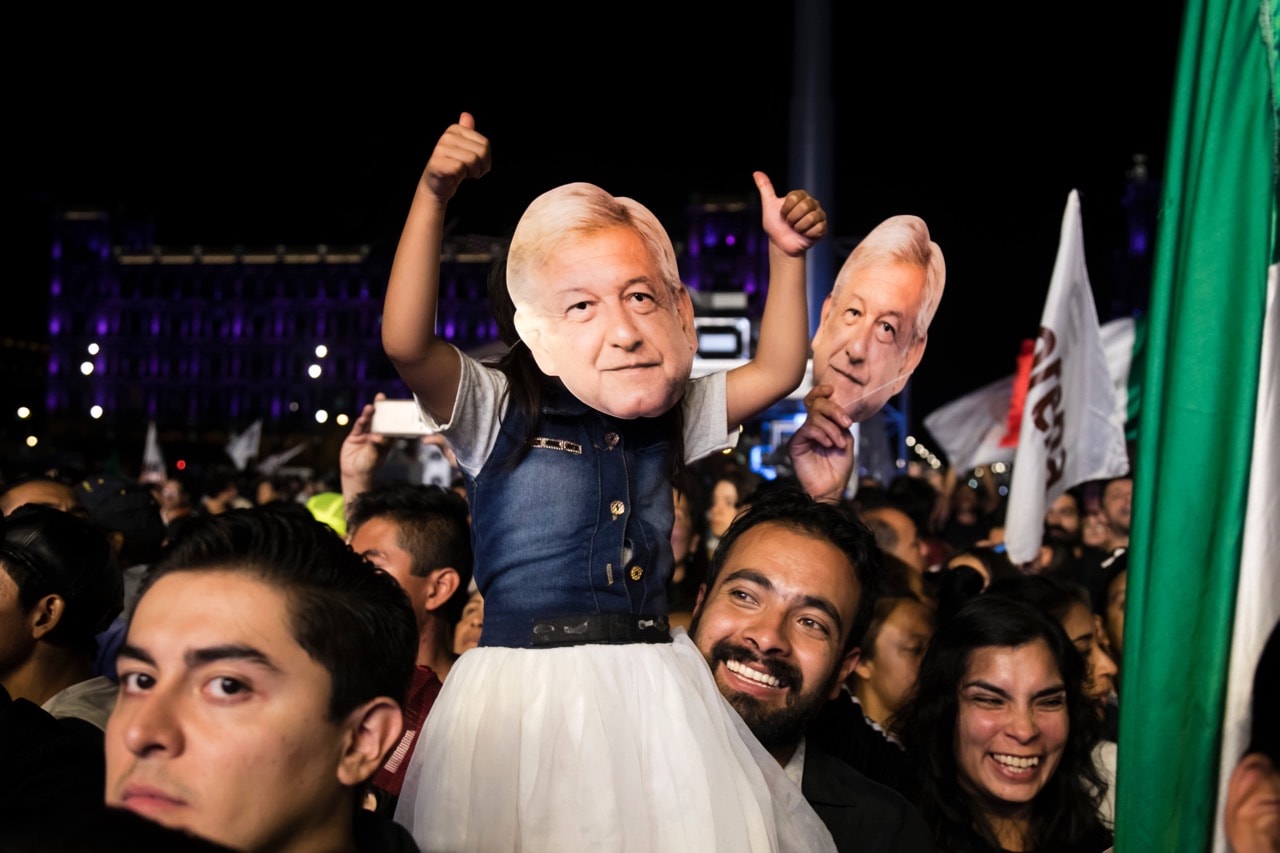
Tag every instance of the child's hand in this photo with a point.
(793, 223)
(461, 153)
(821, 450)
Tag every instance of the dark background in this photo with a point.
(230, 127)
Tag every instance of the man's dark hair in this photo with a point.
(789, 506)
(433, 529)
(218, 480)
(350, 616)
(47, 551)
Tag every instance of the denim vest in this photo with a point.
(580, 527)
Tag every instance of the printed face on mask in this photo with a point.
(609, 327)
(866, 345)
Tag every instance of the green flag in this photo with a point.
(1195, 448)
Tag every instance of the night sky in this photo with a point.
(254, 131)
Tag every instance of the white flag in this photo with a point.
(153, 468)
(272, 463)
(243, 447)
(970, 428)
(1072, 430)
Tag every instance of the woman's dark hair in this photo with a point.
(1066, 809)
(1050, 593)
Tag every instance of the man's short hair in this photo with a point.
(49, 551)
(901, 239)
(787, 505)
(433, 528)
(351, 617)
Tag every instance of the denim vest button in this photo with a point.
(636, 573)
(611, 439)
(617, 508)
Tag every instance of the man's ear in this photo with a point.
(1251, 813)
(441, 584)
(915, 352)
(530, 329)
(684, 307)
(859, 665)
(702, 595)
(45, 615)
(116, 538)
(822, 317)
(842, 673)
(369, 733)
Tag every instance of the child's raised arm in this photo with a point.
(427, 364)
(794, 223)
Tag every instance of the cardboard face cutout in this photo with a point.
(597, 312)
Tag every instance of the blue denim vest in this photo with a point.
(580, 527)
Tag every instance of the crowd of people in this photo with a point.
(608, 633)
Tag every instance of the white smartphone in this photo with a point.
(398, 418)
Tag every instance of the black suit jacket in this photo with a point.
(862, 815)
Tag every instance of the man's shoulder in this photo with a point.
(861, 813)
(839, 780)
(375, 833)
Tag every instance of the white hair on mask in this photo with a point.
(901, 239)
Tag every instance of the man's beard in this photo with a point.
(774, 727)
(1055, 534)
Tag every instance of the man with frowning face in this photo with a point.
(791, 585)
(874, 324)
(260, 682)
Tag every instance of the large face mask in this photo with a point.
(601, 318)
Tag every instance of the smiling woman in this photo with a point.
(1002, 733)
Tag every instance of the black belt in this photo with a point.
(600, 628)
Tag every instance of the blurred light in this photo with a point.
(24, 412)
(93, 349)
(32, 441)
(293, 406)
(86, 367)
(321, 416)
(973, 484)
(998, 467)
(181, 465)
(911, 441)
(342, 419)
(1004, 490)
(979, 471)
(95, 412)
(314, 371)
(322, 351)
(901, 463)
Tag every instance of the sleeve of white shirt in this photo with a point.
(473, 430)
(706, 415)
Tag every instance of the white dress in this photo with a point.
(627, 748)
(595, 747)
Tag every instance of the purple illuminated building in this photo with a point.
(200, 339)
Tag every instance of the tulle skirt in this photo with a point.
(596, 748)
